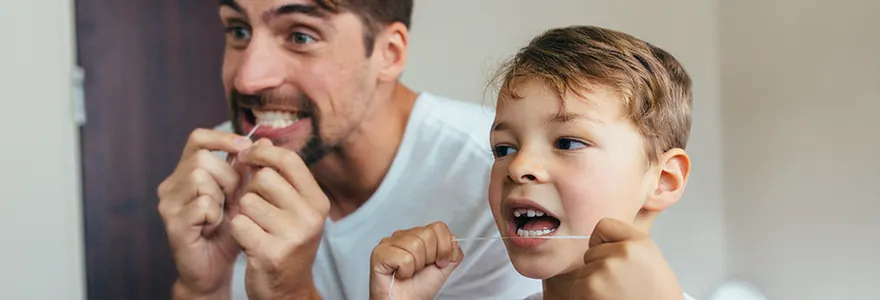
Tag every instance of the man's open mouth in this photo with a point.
(531, 222)
(272, 118)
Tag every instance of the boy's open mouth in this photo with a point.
(531, 222)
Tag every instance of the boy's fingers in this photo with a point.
(444, 242)
(388, 259)
(610, 230)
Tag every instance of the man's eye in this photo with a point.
(503, 150)
(239, 33)
(570, 144)
(300, 38)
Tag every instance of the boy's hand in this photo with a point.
(624, 263)
(421, 258)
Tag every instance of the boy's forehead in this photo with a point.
(268, 9)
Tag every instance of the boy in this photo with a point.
(589, 139)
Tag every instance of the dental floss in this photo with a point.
(248, 136)
(565, 237)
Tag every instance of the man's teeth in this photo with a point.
(532, 233)
(274, 118)
(531, 213)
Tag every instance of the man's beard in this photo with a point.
(314, 149)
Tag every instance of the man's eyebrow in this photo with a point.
(232, 4)
(290, 9)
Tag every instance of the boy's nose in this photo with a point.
(525, 170)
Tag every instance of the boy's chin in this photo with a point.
(539, 267)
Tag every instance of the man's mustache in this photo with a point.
(298, 100)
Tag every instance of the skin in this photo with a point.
(272, 202)
(584, 163)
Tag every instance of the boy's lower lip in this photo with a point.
(525, 242)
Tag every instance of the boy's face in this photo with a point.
(558, 172)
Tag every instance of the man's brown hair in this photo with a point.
(654, 87)
(375, 14)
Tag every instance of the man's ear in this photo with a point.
(674, 168)
(392, 46)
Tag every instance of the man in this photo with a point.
(346, 154)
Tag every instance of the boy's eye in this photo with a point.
(300, 38)
(503, 150)
(570, 144)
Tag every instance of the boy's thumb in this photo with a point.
(447, 267)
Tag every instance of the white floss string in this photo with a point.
(561, 237)
(248, 136)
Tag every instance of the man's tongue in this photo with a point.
(541, 223)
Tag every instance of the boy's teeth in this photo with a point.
(531, 213)
(532, 233)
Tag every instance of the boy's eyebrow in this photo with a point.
(565, 117)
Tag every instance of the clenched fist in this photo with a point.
(624, 263)
(421, 258)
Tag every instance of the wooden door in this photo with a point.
(152, 74)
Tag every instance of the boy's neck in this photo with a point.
(564, 286)
(353, 173)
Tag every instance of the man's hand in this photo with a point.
(421, 258)
(282, 215)
(192, 205)
(624, 263)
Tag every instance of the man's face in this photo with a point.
(297, 70)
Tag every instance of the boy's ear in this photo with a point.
(674, 167)
(392, 51)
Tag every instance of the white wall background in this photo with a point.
(457, 44)
(802, 146)
(789, 204)
(40, 206)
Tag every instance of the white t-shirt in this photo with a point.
(440, 173)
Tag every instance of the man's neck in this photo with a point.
(353, 173)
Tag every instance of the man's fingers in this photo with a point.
(263, 214)
(223, 173)
(248, 234)
(610, 230)
(289, 164)
(214, 140)
(267, 183)
(201, 212)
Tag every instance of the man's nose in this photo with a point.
(260, 69)
(527, 168)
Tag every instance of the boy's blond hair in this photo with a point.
(653, 85)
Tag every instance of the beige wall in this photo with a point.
(455, 57)
(802, 149)
(40, 208)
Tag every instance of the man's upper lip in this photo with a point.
(512, 204)
(272, 108)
